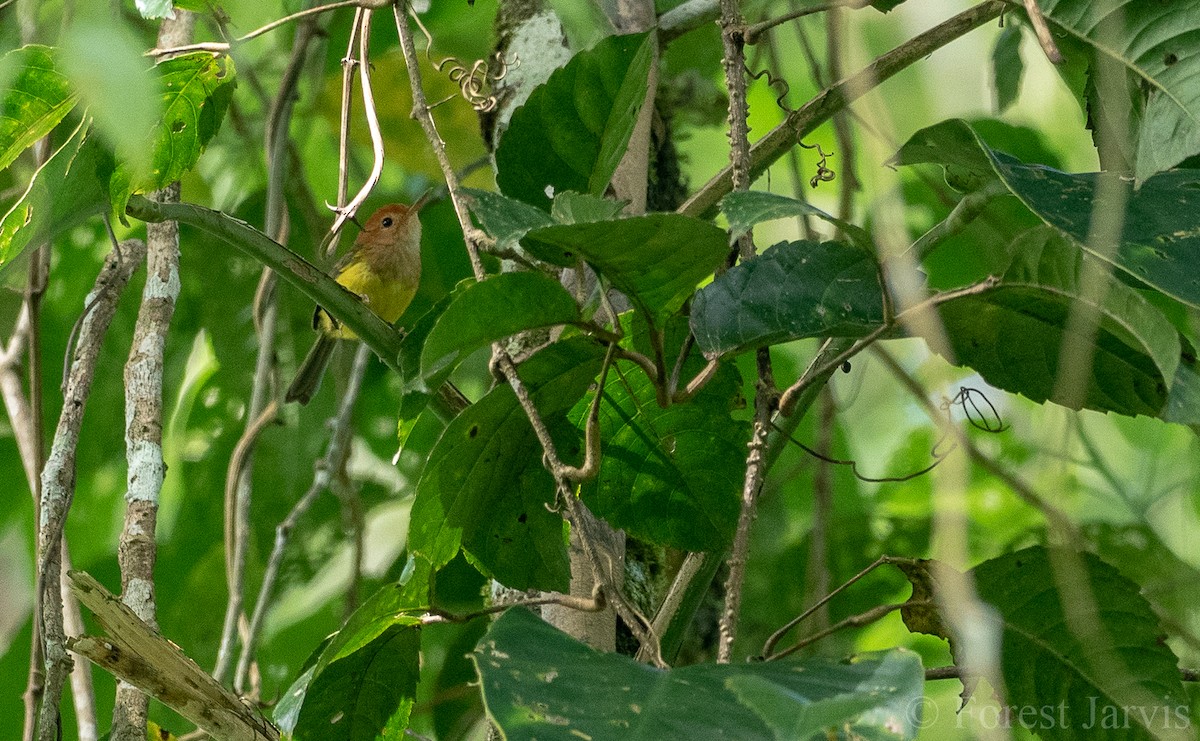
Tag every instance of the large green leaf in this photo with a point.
(196, 90)
(1013, 335)
(746, 208)
(538, 683)
(366, 694)
(790, 291)
(500, 306)
(669, 476)
(67, 190)
(1160, 243)
(1157, 42)
(505, 219)
(1100, 663)
(573, 130)
(36, 98)
(484, 487)
(656, 260)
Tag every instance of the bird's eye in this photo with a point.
(387, 221)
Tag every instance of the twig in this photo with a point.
(753, 32)
(1044, 37)
(734, 63)
(333, 460)
(581, 519)
(58, 476)
(808, 117)
(769, 646)
(595, 603)
(938, 456)
(854, 621)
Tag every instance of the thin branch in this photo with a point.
(808, 117)
(758, 29)
(769, 646)
(854, 621)
(1044, 37)
(595, 603)
(58, 476)
(333, 460)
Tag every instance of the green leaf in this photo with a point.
(670, 476)
(196, 90)
(64, 192)
(656, 260)
(484, 486)
(573, 130)
(500, 306)
(362, 695)
(790, 291)
(1013, 335)
(538, 683)
(570, 207)
(36, 98)
(744, 209)
(1090, 668)
(1161, 237)
(1007, 67)
(505, 219)
(954, 145)
(1156, 41)
(152, 9)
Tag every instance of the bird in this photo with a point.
(384, 269)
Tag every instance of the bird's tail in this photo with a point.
(308, 376)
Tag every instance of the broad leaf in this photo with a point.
(505, 219)
(790, 291)
(1161, 237)
(367, 693)
(67, 190)
(656, 260)
(669, 476)
(573, 130)
(36, 98)
(1156, 41)
(744, 209)
(1014, 334)
(538, 683)
(196, 90)
(575, 208)
(484, 487)
(1007, 67)
(500, 306)
(1094, 659)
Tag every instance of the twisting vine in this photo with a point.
(474, 83)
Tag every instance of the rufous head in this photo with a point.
(393, 224)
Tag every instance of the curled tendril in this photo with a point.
(778, 83)
(968, 398)
(474, 82)
(824, 174)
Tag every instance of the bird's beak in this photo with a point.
(425, 198)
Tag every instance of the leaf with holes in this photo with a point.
(792, 290)
(196, 90)
(573, 130)
(1014, 334)
(656, 260)
(35, 99)
(669, 476)
(1156, 41)
(484, 486)
(539, 683)
(1160, 242)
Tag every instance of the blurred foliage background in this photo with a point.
(1131, 483)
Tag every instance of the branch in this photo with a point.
(758, 29)
(808, 117)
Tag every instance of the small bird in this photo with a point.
(384, 268)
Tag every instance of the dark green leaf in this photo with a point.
(1093, 667)
(484, 486)
(65, 191)
(573, 130)
(793, 290)
(500, 306)
(1156, 41)
(744, 209)
(196, 90)
(36, 98)
(1007, 67)
(574, 208)
(1161, 237)
(953, 145)
(505, 220)
(538, 683)
(1014, 334)
(669, 476)
(357, 697)
(656, 260)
